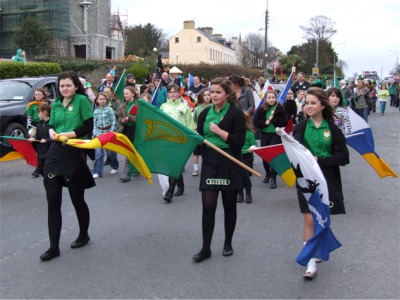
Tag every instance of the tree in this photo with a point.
(141, 40)
(320, 28)
(32, 36)
(251, 50)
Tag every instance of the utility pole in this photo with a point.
(266, 45)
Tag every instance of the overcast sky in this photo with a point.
(370, 31)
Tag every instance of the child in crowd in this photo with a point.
(32, 112)
(203, 101)
(104, 121)
(269, 116)
(248, 159)
(42, 137)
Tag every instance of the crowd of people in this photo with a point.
(223, 111)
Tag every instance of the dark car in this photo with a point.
(15, 94)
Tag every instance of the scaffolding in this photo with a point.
(53, 13)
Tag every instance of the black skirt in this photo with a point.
(219, 173)
(70, 163)
(336, 201)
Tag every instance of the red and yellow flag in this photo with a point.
(115, 142)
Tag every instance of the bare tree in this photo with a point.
(251, 51)
(319, 28)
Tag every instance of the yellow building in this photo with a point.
(195, 46)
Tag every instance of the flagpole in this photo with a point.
(238, 162)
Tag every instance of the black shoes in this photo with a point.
(249, 198)
(179, 191)
(49, 254)
(168, 196)
(266, 179)
(273, 183)
(35, 174)
(80, 242)
(228, 251)
(199, 257)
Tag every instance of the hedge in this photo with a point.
(9, 69)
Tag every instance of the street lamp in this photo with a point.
(86, 4)
(334, 63)
(177, 56)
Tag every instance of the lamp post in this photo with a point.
(86, 4)
(334, 63)
(177, 57)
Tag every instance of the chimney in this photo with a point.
(188, 24)
(207, 30)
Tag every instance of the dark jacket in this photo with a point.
(233, 122)
(42, 132)
(291, 110)
(279, 119)
(330, 165)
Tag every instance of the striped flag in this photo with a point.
(24, 148)
(275, 155)
(115, 142)
(8, 153)
(362, 140)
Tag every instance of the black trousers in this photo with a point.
(54, 188)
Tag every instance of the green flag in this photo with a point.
(164, 143)
(119, 87)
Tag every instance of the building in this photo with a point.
(80, 28)
(196, 46)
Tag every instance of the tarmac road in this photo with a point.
(141, 247)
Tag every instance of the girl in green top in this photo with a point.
(319, 134)
(127, 121)
(248, 159)
(71, 116)
(32, 107)
(203, 100)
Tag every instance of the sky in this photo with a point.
(367, 35)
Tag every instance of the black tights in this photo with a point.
(54, 188)
(209, 199)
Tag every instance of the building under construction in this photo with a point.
(80, 28)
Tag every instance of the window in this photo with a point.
(177, 40)
(199, 39)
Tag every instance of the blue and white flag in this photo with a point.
(311, 182)
(281, 97)
(191, 80)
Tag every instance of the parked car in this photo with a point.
(15, 94)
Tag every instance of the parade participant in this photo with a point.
(383, 96)
(269, 116)
(341, 116)
(244, 95)
(104, 121)
(42, 138)
(72, 117)
(203, 101)
(32, 112)
(300, 83)
(19, 56)
(319, 134)
(248, 159)
(362, 99)
(175, 108)
(222, 124)
(160, 92)
(127, 123)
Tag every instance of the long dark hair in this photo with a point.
(338, 93)
(226, 86)
(327, 112)
(200, 96)
(75, 80)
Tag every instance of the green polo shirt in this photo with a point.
(318, 140)
(215, 117)
(72, 116)
(271, 127)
